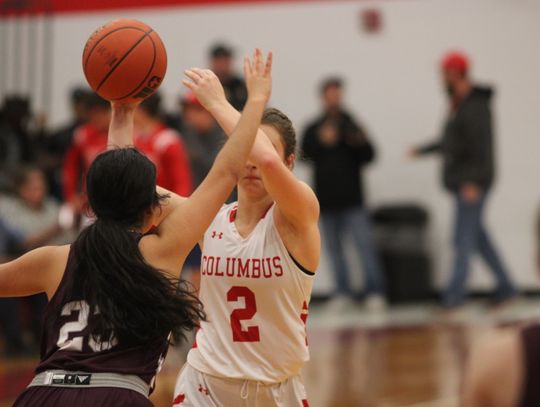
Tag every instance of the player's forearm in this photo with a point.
(121, 126)
(228, 117)
(235, 153)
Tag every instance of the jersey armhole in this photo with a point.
(55, 299)
(302, 268)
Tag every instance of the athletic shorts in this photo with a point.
(42, 396)
(197, 389)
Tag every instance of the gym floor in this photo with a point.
(408, 356)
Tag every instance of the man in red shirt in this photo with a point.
(163, 146)
(89, 140)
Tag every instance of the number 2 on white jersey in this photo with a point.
(251, 334)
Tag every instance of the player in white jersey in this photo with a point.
(258, 261)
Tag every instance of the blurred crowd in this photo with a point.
(42, 172)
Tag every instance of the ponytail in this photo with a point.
(130, 301)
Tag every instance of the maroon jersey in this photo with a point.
(67, 344)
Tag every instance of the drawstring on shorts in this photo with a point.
(244, 391)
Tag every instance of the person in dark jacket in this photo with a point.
(221, 62)
(58, 142)
(339, 148)
(467, 150)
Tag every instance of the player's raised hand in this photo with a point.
(206, 86)
(258, 74)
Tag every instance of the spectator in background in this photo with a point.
(29, 219)
(466, 147)
(221, 62)
(17, 144)
(58, 142)
(202, 136)
(10, 326)
(339, 148)
(203, 139)
(163, 146)
(89, 140)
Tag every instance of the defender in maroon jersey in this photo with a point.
(114, 293)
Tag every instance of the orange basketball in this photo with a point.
(124, 61)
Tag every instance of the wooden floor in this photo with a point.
(408, 356)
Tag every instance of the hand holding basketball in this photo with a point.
(258, 74)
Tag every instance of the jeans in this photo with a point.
(355, 221)
(470, 235)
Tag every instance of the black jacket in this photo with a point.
(338, 181)
(467, 143)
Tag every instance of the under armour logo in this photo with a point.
(203, 390)
(218, 235)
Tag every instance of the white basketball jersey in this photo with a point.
(256, 298)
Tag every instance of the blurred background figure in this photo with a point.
(202, 136)
(510, 379)
(203, 139)
(28, 219)
(17, 141)
(163, 146)
(339, 148)
(10, 326)
(221, 62)
(89, 140)
(467, 150)
(59, 141)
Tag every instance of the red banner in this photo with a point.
(28, 7)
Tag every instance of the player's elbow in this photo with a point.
(268, 162)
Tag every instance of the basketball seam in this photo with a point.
(147, 75)
(105, 36)
(122, 59)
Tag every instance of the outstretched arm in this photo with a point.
(288, 192)
(185, 226)
(37, 271)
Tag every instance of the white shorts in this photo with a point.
(197, 389)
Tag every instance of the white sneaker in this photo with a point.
(339, 303)
(375, 303)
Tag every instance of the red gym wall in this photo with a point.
(10, 7)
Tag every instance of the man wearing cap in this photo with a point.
(221, 63)
(466, 147)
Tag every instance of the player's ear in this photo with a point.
(290, 160)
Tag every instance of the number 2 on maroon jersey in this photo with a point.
(251, 334)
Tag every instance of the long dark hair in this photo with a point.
(130, 300)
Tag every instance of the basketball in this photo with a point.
(124, 61)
